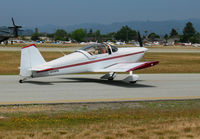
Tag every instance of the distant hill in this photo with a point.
(159, 27)
(26, 32)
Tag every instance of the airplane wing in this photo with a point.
(118, 67)
(127, 67)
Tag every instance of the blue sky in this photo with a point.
(70, 12)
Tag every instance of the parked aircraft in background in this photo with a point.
(120, 43)
(92, 58)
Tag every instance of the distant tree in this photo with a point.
(97, 35)
(188, 32)
(195, 38)
(42, 34)
(36, 30)
(166, 37)
(109, 36)
(61, 35)
(146, 33)
(79, 35)
(173, 33)
(23, 37)
(35, 35)
(51, 36)
(90, 33)
(153, 36)
(126, 34)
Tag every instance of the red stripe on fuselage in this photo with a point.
(29, 46)
(90, 62)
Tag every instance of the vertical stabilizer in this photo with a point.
(30, 56)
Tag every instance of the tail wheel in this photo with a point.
(21, 81)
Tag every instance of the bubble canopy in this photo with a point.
(95, 49)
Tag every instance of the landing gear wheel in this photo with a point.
(133, 82)
(111, 79)
(21, 81)
(109, 76)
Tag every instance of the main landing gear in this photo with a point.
(131, 78)
(109, 76)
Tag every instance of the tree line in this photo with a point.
(125, 34)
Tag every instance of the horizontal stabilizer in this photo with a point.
(40, 68)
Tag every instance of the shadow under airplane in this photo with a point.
(118, 83)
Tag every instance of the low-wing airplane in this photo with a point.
(92, 58)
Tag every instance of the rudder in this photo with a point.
(30, 57)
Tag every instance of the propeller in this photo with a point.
(140, 39)
(140, 42)
(15, 28)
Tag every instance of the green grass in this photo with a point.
(169, 62)
(130, 120)
(173, 63)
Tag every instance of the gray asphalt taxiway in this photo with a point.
(89, 88)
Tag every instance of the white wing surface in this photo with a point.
(126, 67)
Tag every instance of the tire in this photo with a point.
(110, 78)
(133, 82)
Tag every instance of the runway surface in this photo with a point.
(72, 49)
(89, 88)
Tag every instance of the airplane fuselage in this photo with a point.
(81, 61)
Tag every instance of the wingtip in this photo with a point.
(145, 65)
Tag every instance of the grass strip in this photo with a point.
(162, 119)
(169, 62)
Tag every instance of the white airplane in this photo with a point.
(92, 58)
